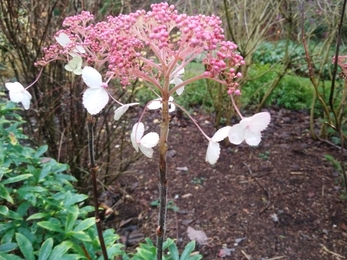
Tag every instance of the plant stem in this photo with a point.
(93, 168)
(164, 131)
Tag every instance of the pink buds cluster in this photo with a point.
(149, 45)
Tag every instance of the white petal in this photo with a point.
(213, 151)
(78, 71)
(63, 39)
(150, 140)
(180, 91)
(136, 134)
(237, 134)
(259, 121)
(94, 100)
(26, 100)
(154, 104)
(121, 110)
(74, 64)
(252, 138)
(147, 151)
(176, 81)
(172, 107)
(221, 134)
(91, 77)
(19, 94)
(79, 49)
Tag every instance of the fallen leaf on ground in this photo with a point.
(198, 235)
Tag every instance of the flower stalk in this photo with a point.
(93, 168)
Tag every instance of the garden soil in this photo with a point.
(280, 200)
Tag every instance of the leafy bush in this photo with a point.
(41, 214)
(292, 92)
(274, 52)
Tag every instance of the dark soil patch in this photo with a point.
(280, 200)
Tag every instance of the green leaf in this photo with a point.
(70, 221)
(188, 250)
(47, 169)
(73, 199)
(9, 213)
(80, 235)
(60, 250)
(5, 194)
(40, 151)
(17, 178)
(8, 247)
(38, 216)
(174, 251)
(85, 224)
(25, 246)
(50, 226)
(30, 189)
(9, 257)
(46, 249)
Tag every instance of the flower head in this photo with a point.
(19, 94)
(249, 129)
(213, 149)
(145, 143)
(95, 98)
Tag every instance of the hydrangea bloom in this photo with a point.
(19, 94)
(249, 129)
(95, 97)
(145, 143)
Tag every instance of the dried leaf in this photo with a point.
(198, 235)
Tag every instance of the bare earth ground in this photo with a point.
(280, 200)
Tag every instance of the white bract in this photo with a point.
(75, 65)
(156, 104)
(64, 40)
(213, 149)
(122, 109)
(177, 80)
(145, 143)
(19, 94)
(249, 129)
(95, 97)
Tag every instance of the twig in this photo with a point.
(246, 255)
(277, 257)
(261, 186)
(331, 252)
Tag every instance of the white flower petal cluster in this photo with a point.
(145, 143)
(249, 130)
(157, 104)
(96, 97)
(74, 65)
(19, 94)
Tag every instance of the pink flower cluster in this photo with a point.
(150, 45)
